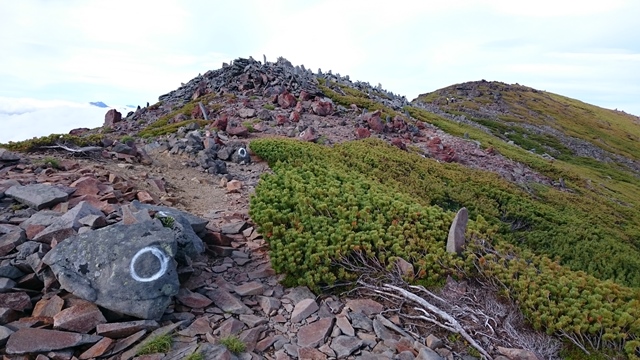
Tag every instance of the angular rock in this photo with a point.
(5, 332)
(86, 185)
(18, 301)
(456, 240)
(124, 329)
(366, 306)
(48, 307)
(383, 332)
(314, 334)
(303, 309)
(345, 326)
(231, 326)
(345, 345)
(517, 354)
(249, 288)
(250, 337)
(68, 224)
(10, 241)
(298, 294)
(8, 315)
(200, 326)
(286, 100)
(97, 349)
(362, 133)
(322, 107)
(234, 227)
(6, 284)
(269, 304)
(310, 134)
(434, 342)
(246, 113)
(227, 302)
(211, 351)
(124, 268)
(37, 196)
(80, 318)
(252, 320)
(27, 341)
(193, 299)
(11, 272)
(308, 353)
(112, 117)
(428, 354)
(374, 121)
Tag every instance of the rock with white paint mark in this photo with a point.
(125, 268)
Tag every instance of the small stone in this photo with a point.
(299, 293)
(345, 345)
(517, 354)
(193, 299)
(314, 334)
(268, 304)
(37, 196)
(213, 351)
(200, 326)
(308, 353)
(361, 321)
(234, 227)
(345, 326)
(250, 288)
(227, 302)
(234, 186)
(428, 354)
(253, 320)
(434, 342)
(10, 241)
(366, 306)
(303, 309)
(80, 318)
(97, 350)
(8, 315)
(250, 337)
(231, 326)
(383, 332)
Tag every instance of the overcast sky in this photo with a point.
(130, 52)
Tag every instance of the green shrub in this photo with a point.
(158, 344)
(269, 106)
(51, 162)
(233, 344)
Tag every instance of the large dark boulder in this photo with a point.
(129, 269)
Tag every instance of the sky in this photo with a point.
(58, 55)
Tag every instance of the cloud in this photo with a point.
(24, 118)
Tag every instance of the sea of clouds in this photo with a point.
(25, 118)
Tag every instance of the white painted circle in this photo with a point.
(164, 264)
(242, 152)
(302, 134)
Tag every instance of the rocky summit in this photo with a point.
(267, 211)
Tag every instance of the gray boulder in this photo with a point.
(197, 224)
(456, 241)
(68, 224)
(129, 269)
(37, 196)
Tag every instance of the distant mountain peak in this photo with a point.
(99, 104)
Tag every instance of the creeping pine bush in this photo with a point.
(321, 204)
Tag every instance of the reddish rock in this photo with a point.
(354, 107)
(374, 121)
(309, 134)
(193, 299)
(18, 301)
(239, 131)
(314, 334)
(28, 341)
(8, 315)
(80, 318)
(221, 123)
(420, 125)
(234, 186)
(299, 107)
(145, 197)
(398, 143)
(48, 307)
(308, 353)
(200, 326)
(86, 185)
(399, 124)
(362, 133)
(112, 117)
(9, 241)
(281, 119)
(366, 306)
(179, 118)
(304, 95)
(286, 100)
(294, 117)
(196, 113)
(217, 238)
(123, 329)
(322, 108)
(100, 348)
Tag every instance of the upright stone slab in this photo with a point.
(456, 240)
(37, 196)
(129, 269)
